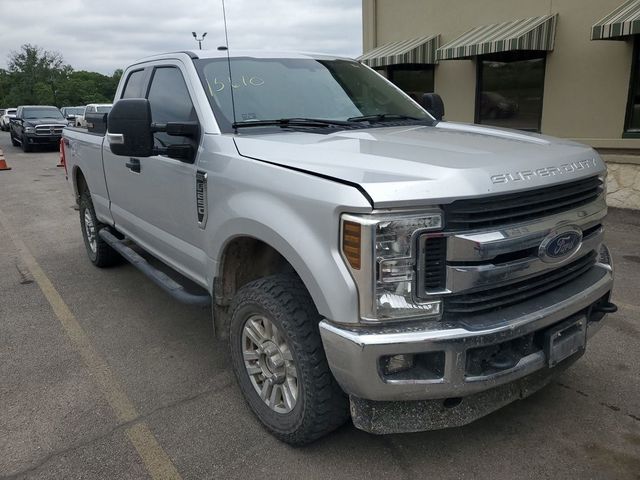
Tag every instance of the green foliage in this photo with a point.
(39, 77)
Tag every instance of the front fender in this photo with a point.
(315, 259)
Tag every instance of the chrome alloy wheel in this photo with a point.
(269, 364)
(90, 230)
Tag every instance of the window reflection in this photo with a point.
(414, 80)
(633, 114)
(510, 89)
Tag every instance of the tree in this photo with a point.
(40, 77)
(35, 73)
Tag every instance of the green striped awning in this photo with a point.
(537, 33)
(415, 50)
(622, 22)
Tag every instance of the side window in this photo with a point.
(170, 102)
(133, 87)
(632, 122)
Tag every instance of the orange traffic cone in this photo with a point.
(3, 162)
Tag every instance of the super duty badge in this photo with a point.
(544, 171)
(201, 198)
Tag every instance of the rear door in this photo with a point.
(153, 199)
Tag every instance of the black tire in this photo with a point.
(14, 142)
(321, 405)
(26, 148)
(104, 255)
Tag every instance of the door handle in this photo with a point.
(133, 164)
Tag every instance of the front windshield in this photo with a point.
(280, 88)
(11, 111)
(33, 113)
(74, 110)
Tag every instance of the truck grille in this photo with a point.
(49, 129)
(522, 206)
(433, 252)
(495, 298)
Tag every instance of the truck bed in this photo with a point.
(83, 152)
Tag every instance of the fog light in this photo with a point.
(397, 363)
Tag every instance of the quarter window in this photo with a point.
(133, 87)
(170, 102)
(510, 89)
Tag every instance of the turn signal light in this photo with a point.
(351, 236)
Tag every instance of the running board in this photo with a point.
(158, 277)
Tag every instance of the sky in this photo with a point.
(103, 35)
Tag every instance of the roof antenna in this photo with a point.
(226, 47)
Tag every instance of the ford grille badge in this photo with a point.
(560, 244)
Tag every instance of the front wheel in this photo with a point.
(14, 142)
(279, 361)
(26, 148)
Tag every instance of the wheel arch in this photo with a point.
(257, 250)
(244, 258)
(79, 182)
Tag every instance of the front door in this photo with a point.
(153, 199)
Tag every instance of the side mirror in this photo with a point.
(129, 128)
(433, 103)
(96, 122)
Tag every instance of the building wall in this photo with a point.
(586, 82)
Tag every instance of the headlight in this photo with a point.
(29, 130)
(380, 250)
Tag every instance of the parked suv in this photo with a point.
(8, 114)
(36, 125)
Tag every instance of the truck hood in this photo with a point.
(44, 121)
(415, 165)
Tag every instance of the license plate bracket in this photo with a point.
(565, 339)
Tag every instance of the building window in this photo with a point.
(509, 90)
(382, 71)
(632, 123)
(414, 80)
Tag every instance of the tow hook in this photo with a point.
(605, 307)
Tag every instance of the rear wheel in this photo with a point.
(279, 360)
(100, 252)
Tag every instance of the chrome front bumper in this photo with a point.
(354, 353)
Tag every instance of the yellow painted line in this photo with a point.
(153, 456)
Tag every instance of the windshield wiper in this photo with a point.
(380, 117)
(293, 122)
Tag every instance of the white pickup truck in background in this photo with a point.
(363, 257)
(93, 108)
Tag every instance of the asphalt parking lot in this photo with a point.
(102, 375)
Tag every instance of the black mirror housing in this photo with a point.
(131, 118)
(432, 102)
(96, 122)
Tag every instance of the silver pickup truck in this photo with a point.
(363, 258)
